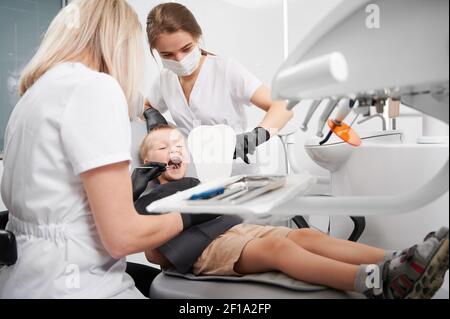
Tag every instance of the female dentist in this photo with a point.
(201, 88)
(66, 182)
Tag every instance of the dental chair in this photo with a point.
(172, 285)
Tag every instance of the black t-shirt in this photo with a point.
(164, 190)
(184, 250)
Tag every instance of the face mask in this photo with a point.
(186, 66)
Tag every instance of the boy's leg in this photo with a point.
(281, 254)
(341, 250)
(409, 276)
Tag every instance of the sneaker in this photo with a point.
(420, 271)
(441, 234)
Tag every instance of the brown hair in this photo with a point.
(145, 143)
(170, 18)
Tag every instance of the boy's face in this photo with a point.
(168, 146)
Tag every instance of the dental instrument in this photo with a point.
(338, 127)
(312, 109)
(331, 105)
(208, 194)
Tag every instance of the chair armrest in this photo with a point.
(3, 219)
(8, 248)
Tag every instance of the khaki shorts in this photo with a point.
(222, 254)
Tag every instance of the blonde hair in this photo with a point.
(107, 32)
(145, 145)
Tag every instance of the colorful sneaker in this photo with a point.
(441, 234)
(420, 272)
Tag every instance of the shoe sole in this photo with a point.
(436, 281)
(433, 277)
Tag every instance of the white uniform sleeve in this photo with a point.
(155, 97)
(242, 84)
(95, 126)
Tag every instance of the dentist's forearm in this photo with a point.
(140, 237)
(277, 117)
(277, 113)
(138, 233)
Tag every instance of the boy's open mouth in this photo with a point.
(174, 163)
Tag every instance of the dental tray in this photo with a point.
(293, 186)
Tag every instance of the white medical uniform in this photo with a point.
(71, 120)
(221, 92)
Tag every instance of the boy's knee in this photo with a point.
(277, 245)
(305, 235)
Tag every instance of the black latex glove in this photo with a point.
(143, 175)
(153, 118)
(246, 143)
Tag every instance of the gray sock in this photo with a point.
(366, 278)
(390, 254)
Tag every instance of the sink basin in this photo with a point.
(335, 153)
(382, 165)
(388, 169)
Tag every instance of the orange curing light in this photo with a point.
(345, 133)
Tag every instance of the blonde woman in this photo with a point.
(67, 183)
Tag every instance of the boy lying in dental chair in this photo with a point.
(223, 245)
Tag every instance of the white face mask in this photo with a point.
(187, 66)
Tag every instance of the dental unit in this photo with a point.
(376, 77)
